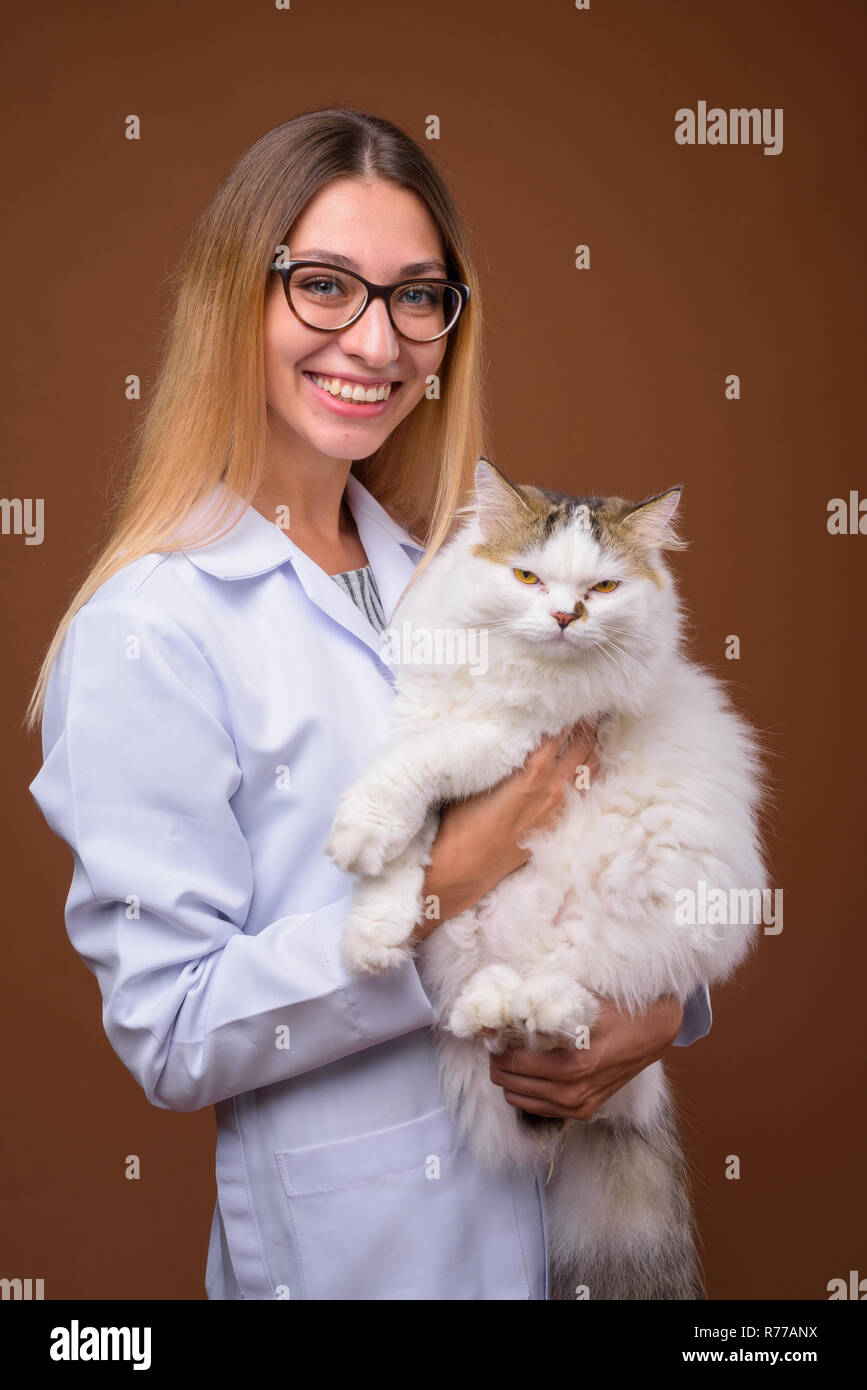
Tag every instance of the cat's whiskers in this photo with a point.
(647, 637)
(607, 659)
(613, 646)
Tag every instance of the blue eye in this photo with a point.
(321, 285)
(428, 296)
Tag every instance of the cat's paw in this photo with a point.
(484, 1002)
(370, 947)
(553, 1006)
(365, 835)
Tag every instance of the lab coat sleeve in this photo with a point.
(140, 768)
(697, 1018)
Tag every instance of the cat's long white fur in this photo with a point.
(592, 913)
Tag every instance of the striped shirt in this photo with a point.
(360, 586)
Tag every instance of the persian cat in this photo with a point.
(540, 610)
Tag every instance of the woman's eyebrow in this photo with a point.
(316, 253)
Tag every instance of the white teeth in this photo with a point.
(353, 391)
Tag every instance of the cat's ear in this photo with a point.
(650, 522)
(496, 501)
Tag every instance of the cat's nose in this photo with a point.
(564, 619)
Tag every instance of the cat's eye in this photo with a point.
(526, 576)
(605, 586)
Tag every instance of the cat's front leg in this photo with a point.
(378, 815)
(553, 1010)
(381, 812)
(484, 1004)
(541, 1011)
(384, 911)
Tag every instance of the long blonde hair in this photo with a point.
(207, 420)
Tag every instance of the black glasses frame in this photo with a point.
(372, 291)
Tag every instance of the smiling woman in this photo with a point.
(331, 345)
(336, 322)
(211, 691)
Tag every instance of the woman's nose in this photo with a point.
(372, 336)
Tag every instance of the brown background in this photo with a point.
(557, 129)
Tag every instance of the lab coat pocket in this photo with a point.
(403, 1213)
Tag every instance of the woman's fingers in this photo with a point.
(579, 739)
(585, 735)
(579, 752)
(560, 748)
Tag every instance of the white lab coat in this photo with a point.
(205, 712)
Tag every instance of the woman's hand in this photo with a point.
(476, 844)
(573, 1082)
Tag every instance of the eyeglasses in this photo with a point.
(333, 298)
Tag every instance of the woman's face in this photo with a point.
(382, 228)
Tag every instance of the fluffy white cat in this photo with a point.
(541, 610)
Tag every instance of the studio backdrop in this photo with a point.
(666, 205)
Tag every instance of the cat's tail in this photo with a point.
(620, 1218)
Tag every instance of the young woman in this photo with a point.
(217, 682)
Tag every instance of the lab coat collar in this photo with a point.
(255, 546)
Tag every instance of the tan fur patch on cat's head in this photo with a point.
(518, 517)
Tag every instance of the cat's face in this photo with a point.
(571, 575)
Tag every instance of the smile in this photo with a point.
(353, 391)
